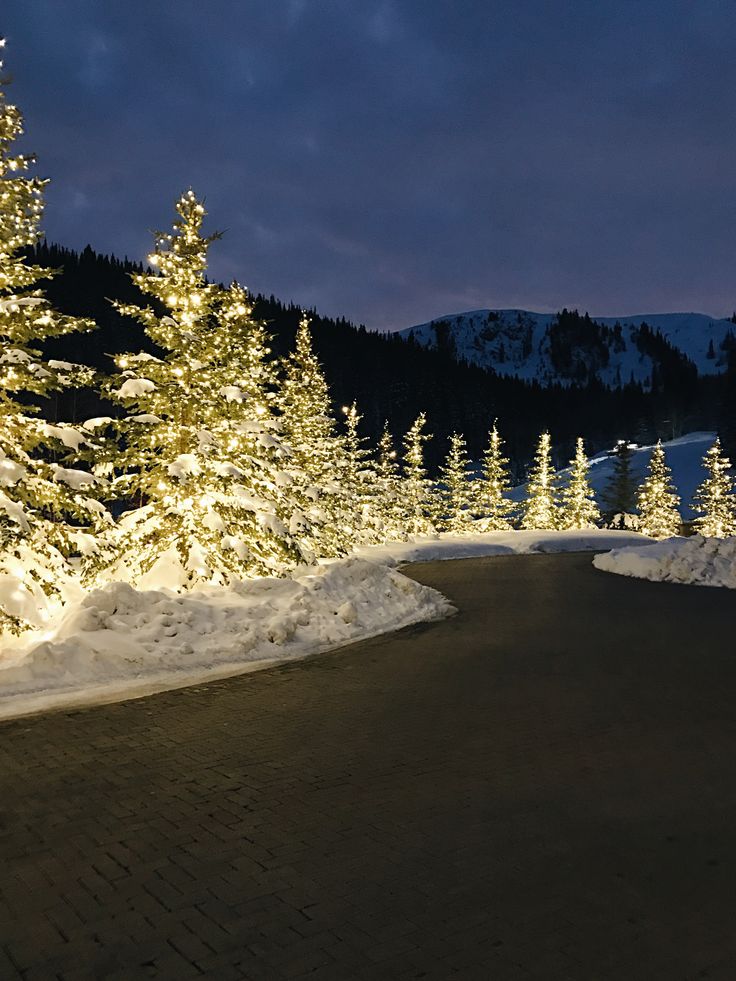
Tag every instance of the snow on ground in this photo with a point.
(697, 560)
(120, 642)
(446, 546)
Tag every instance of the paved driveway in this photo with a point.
(542, 787)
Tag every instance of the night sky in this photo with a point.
(395, 161)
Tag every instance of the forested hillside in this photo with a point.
(391, 377)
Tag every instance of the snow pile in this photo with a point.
(477, 545)
(697, 560)
(122, 640)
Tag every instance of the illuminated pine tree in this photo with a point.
(208, 511)
(417, 488)
(323, 520)
(539, 510)
(248, 432)
(491, 504)
(46, 512)
(578, 508)
(388, 490)
(358, 479)
(715, 498)
(657, 499)
(456, 494)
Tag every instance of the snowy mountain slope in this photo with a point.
(684, 457)
(534, 347)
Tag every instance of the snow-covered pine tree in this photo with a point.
(456, 490)
(491, 505)
(203, 514)
(577, 505)
(45, 507)
(248, 432)
(619, 496)
(324, 521)
(359, 480)
(417, 489)
(539, 509)
(657, 499)
(715, 498)
(391, 523)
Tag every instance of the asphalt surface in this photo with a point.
(543, 786)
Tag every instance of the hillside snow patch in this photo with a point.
(120, 641)
(698, 561)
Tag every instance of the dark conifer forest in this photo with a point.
(395, 379)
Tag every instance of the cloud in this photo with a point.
(386, 160)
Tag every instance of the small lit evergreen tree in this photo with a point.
(46, 511)
(539, 509)
(359, 481)
(417, 488)
(208, 512)
(578, 508)
(324, 521)
(715, 498)
(491, 504)
(456, 490)
(657, 499)
(388, 492)
(619, 496)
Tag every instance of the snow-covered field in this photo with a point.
(696, 560)
(119, 642)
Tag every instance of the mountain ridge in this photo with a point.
(570, 348)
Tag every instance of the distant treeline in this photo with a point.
(395, 379)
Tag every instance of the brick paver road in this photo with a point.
(542, 787)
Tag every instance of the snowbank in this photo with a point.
(119, 641)
(447, 546)
(697, 560)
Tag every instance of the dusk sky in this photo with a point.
(395, 161)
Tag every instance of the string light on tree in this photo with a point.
(657, 500)
(491, 503)
(539, 510)
(47, 513)
(388, 489)
(456, 496)
(417, 488)
(578, 509)
(197, 455)
(325, 520)
(715, 498)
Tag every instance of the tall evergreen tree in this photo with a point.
(491, 504)
(578, 508)
(715, 498)
(619, 496)
(207, 511)
(539, 509)
(324, 520)
(658, 500)
(456, 497)
(44, 506)
(417, 488)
